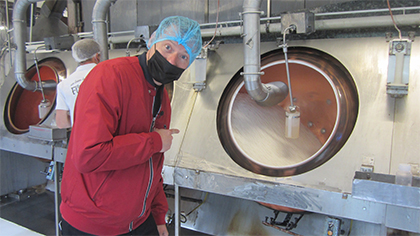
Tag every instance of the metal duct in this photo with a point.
(19, 24)
(48, 23)
(264, 94)
(100, 33)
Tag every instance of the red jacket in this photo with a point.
(112, 175)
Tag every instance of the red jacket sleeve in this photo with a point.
(99, 141)
(160, 206)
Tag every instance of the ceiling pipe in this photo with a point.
(100, 33)
(327, 24)
(19, 32)
(367, 22)
(264, 94)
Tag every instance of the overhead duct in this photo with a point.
(19, 24)
(49, 23)
(264, 94)
(100, 33)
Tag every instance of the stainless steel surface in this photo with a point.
(391, 194)
(223, 215)
(324, 201)
(201, 163)
(47, 133)
(60, 152)
(403, 218)
(205, 152)
(382, 188)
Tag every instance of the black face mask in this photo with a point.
(163, 71)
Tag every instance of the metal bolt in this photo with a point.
(292, 108)
(310, 124)
(399, 47)
(323, 130)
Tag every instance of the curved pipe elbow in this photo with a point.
(25, 83)
(264, 94)
(269, 94)
(276, 92)
(19, 24)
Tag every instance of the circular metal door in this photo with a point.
(254, 136)
(21, 108)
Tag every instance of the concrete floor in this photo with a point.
(31, 212)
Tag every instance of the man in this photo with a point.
(86, 53)
(112, 182)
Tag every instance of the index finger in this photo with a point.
(174, 131)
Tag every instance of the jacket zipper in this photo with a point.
(149, 185)
(130, 227)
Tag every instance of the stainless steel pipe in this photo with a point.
(264, 94)
(19, 24)
(100, 9)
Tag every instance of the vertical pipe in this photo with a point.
(31, 22)
(100, 33)
(8, 33)
(252, 55)
(72, 18)
(19, 24)
(206, 12)
(177, 211)
(56, 194)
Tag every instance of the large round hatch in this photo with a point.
(254, 136)
(21, 108)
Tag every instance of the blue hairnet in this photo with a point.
(182, 30)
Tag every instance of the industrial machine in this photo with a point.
(290, 124)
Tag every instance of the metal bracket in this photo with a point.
(398, 67)
(304, 22)
(252, 73)
(288, 223)
(198, 71)
(332, 227)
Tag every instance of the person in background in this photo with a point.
(112, 182)
(86, 53)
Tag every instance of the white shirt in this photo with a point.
(68, 89)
